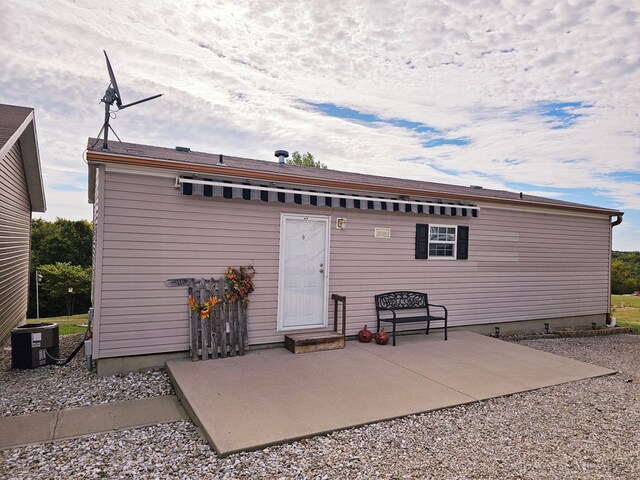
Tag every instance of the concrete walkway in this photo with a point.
(77, 422)
(273, 396)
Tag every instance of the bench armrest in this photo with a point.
(379, 310)
(440, 306)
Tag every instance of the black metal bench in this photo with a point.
(394, 301)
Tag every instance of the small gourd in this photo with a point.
(365, 335)
(382, 337)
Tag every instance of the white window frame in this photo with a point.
(453, 242)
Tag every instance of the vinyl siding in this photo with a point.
(15, 229)
(96, 256)
(522, 265)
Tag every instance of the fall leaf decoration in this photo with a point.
(193, 303)
(240, 282)
(239, 286)
(204, 309)
(208, 305)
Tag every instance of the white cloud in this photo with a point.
(234, 73)
(70, 204)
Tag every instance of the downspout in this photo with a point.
(618, 220)
(614, 223)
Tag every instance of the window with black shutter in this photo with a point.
(422, 241)
(442, 241)
(462, 243)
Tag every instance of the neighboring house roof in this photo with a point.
(209, 164)
(17, 125)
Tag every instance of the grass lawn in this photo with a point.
(66, 325)
(629, 315)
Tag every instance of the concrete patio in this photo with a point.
(273, 396)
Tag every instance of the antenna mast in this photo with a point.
(111, 96)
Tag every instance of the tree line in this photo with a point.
(625, 272)
(61, 253)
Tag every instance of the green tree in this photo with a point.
(59, 277)
(65, 285)
(61, 241)
(625, 272)
(306, 160)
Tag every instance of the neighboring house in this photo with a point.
(21, 192)
(492, 257)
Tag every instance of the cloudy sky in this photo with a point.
(541, 97)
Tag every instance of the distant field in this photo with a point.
(629, 315)
(66, 325)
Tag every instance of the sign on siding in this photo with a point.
(381, 232)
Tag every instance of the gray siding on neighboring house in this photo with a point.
(15, 228)
(522, 265)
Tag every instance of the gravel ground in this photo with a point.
(72, 385)
(581, 430)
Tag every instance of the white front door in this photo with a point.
(303, 274)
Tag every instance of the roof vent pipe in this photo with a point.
(281, 154)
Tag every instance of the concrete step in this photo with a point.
(313, 342)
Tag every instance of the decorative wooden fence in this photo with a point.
(223, 333)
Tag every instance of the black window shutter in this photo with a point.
(422, 240)
(462, 246)
(187, 188)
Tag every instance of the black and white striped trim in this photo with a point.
(265, 193)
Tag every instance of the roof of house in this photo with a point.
(17, 124)
(206, 163)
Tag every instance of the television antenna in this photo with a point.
(111, 96)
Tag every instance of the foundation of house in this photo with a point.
(112, 366)
(582, 322)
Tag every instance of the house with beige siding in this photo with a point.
(21, 193)
(492, 257)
